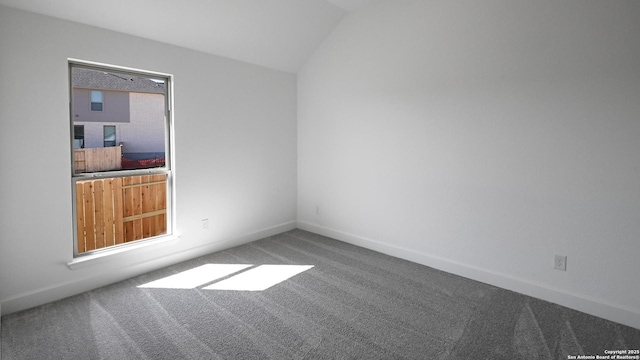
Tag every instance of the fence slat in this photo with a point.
(98, 198)
(81, 238)
(107, 191)
(153, 192)
(163, 204)
(136, 197)
(128, 207)
(118, 207)
(145, 201)
(90, 242)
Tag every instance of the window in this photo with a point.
(78, 136)
(96, 100)
(109, 135)
(122, 193)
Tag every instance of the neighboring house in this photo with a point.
(111, 109)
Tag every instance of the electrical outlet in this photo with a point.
(205, 224)
(560, 262)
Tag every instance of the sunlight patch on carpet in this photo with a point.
(192, 278)
(259, 278)
(256, 278)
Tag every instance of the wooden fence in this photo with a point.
(97, 159)
(117, 210)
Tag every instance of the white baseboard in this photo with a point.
(584, 303)
(59, 291)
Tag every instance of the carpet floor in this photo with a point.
(333, 301)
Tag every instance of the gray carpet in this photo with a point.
(352, 304)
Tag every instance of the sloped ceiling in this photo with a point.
(278, 34)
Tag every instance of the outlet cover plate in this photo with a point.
(560, 262)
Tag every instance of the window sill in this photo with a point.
(92, 259)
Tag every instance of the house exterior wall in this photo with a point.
(115, 106)
(144, 133)
(94, 133)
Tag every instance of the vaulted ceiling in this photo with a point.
(279, 34)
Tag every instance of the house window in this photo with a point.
(109, 135)
(78, 136)
(96, 100)
(122, 194)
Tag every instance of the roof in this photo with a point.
(109, 80)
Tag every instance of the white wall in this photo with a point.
(235, 141)
(482, 138)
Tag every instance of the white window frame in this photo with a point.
(79, 258)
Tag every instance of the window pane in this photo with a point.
(96, 96)
(78, 136)
(109, 133)
(137, 104)
(129, 208)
